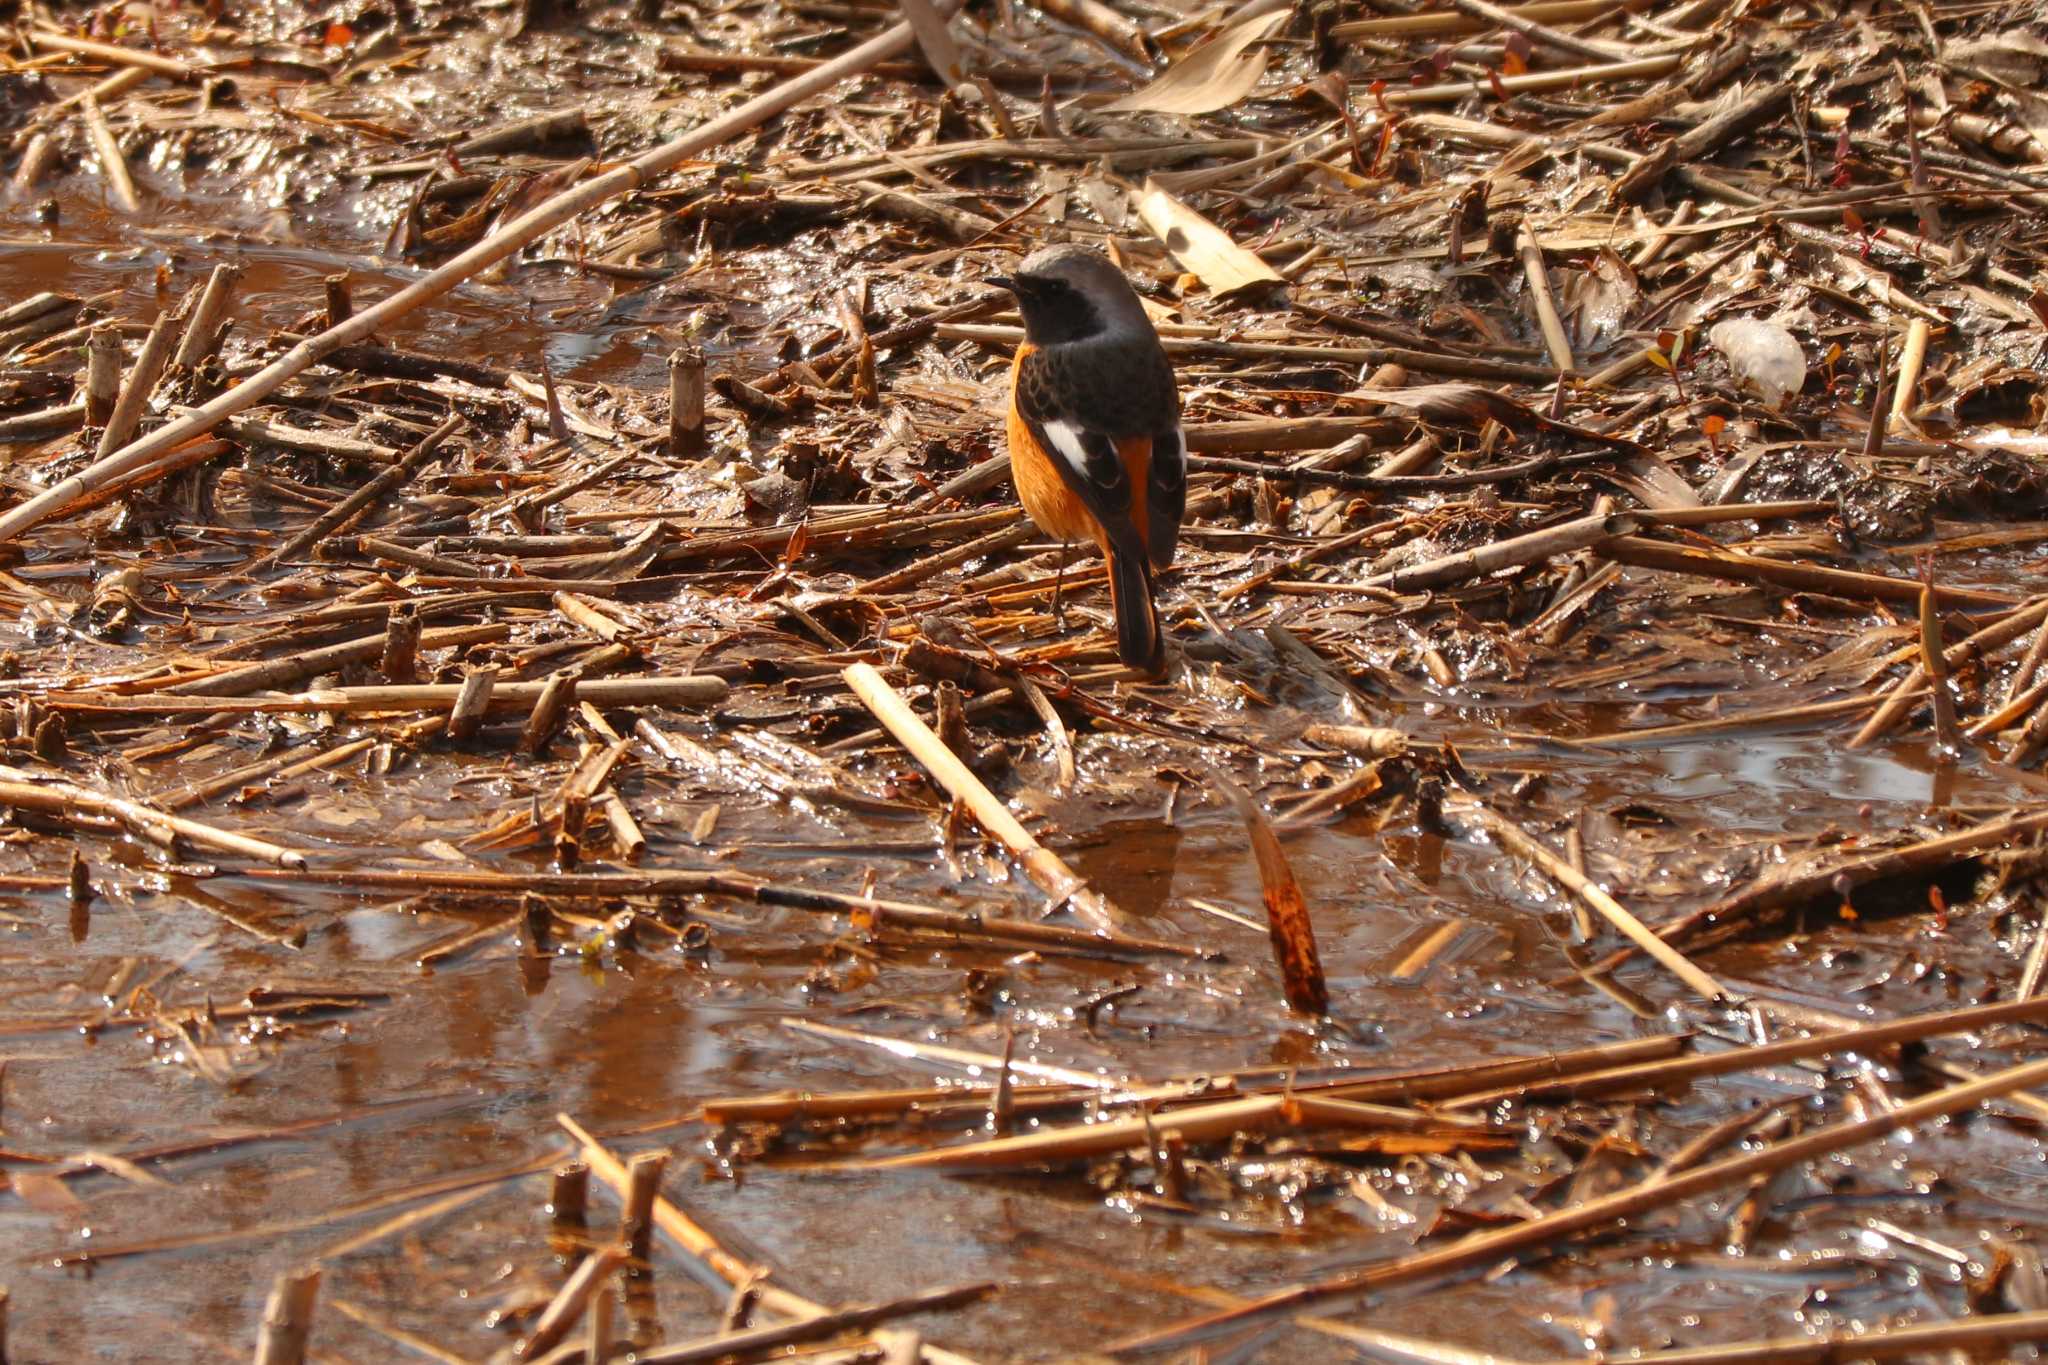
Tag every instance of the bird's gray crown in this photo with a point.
(1095, 278)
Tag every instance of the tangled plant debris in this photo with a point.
(524, 663)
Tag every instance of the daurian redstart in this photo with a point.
(1096, 450)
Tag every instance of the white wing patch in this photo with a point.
(1065, 439)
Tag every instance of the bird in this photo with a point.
(1096, 447)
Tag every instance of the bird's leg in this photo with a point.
(1059, 581)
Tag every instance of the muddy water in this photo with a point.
(482, 1051)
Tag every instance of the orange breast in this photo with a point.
(1044, 491)
(1045, 495)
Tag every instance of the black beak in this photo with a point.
(1003, 282)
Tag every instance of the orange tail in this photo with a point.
(1139, 643)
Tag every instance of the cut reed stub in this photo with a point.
(1294, 934)
(569, 1195)
(686, 401)
(288, 1318)
(102, 373)
(636, 1216)
(400, 663)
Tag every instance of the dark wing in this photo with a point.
(1167, 494)
(1080, 399)
(1084, 453)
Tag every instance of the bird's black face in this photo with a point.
(1054, 310)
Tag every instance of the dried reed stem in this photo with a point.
(528, 227)
(1041, 864)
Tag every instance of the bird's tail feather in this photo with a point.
(1139, 642)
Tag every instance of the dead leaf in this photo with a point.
(1214, 76)
(47, 1193)
(1287, 917)
(1603, 298)
(1200, 246)
(936, 41)
(2014, 56)
(1470, 405)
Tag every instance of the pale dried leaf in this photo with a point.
(1200, 246)
(1214, 76)
(936, 41)
(2014, 56)
(46, 1193)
